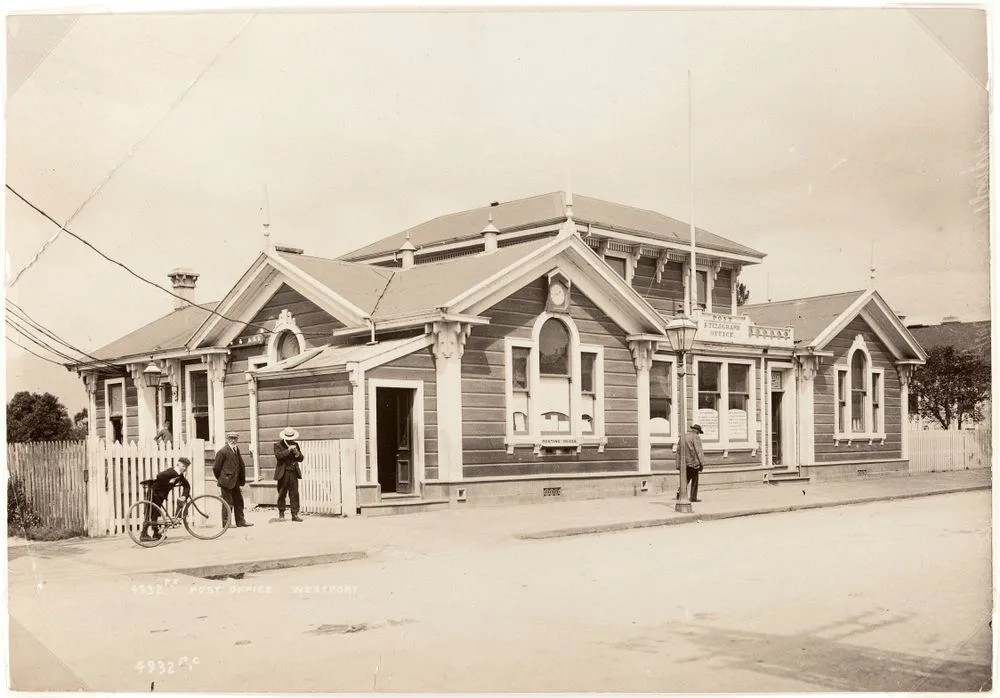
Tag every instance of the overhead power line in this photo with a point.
(20, 313)
(18, 344)
(129, 154)
(33, 338)
(148, 281)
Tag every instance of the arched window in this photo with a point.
(553, 355)
(288, 345)
(555, 387)
(859, 391)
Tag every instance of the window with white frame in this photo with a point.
(555, 385)
(165, 410)
(619, 265)
(726, 398)
(114, 401)
(701, 286)
(662, 398)
(859, 395)
(200, 405)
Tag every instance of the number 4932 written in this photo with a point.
(153, 666)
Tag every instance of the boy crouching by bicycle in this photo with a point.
(160, 489)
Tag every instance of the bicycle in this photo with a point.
(206, 517)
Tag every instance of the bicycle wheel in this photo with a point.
(141, 513)
(207, 517)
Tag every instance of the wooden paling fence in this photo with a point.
(937, 451)
(53, 474)
(326, 465)
(117, 470)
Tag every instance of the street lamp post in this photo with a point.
(681, 332)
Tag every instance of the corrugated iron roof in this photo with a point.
(807, 316)
(361, 284)
(168, 332)
(425, 287)
(333, 356)
(550, 208)
(965, 336)
(383, 292)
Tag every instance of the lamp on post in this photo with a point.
(680, 333)
(152, 375)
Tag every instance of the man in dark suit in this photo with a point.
(287, 472)
(689, 447)
(159, 489)
(230, 473)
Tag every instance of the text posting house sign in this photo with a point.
(735, 329)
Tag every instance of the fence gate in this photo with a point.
(116, 470)
(320, 490)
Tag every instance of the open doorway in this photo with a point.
(781, 422)
(395, 447)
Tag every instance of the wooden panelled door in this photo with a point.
(394, 419)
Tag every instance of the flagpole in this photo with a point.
(692, 276)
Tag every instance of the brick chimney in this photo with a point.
(184, 281)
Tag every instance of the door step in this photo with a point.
(403, 505)
(787, 477)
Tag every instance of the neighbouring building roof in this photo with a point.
(385, 292)
(546, 209)
(168, 332)
(807, 316)
(974, 336)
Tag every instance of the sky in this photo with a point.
(824, 138)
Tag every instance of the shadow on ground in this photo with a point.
(822, 657)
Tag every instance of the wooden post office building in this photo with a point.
(518, 351)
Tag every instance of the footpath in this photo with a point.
(322, 540)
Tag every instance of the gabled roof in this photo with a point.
(328, 358)
(548, 209)
(168, 332)
(807, 316)
(965, 336)
(361, 284)
(818, 320)
(390, 292)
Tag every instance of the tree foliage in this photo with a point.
(951, 387)
(742, 293)
(37, 417)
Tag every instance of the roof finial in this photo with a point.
(569, 196)
(871, 278)
(266, 212)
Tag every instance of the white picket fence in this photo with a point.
(115, 471)
(327, 476)
(937, 451)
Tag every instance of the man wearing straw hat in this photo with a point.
(287, 472)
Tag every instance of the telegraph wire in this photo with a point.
(130, 153)
(34, 338)
(18, 344)
(22, 315)
(148, 281)
(27, 334)
(130, 270)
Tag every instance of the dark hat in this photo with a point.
(184, 460)
(697, 428)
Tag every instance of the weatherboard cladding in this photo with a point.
(665, 295)
(317, 408)
(483, 391)
(316, 326)
(550, 208)
(826, 449)
(418, 366)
